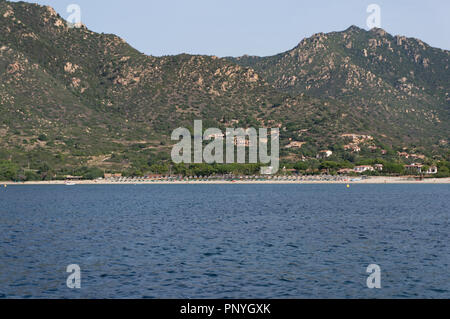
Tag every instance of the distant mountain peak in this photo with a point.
(354, 28)
(366, 69)
(379, 31)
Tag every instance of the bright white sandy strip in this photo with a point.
(372, 180)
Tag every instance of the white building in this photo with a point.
(363, 168)
(324, 154)
(379, 167)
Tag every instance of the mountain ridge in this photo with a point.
(360, 68)
(71, 97)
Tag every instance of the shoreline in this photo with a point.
(373, 180)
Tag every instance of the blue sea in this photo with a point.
(225, 241)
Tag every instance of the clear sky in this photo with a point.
(254, 27)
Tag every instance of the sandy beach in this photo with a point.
(371, 180)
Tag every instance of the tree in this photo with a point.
(93, 173)
(8, 170)
(301, 166)
(393, 168)
(443, 169)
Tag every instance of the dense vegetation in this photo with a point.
(74, 102)
(10, 171)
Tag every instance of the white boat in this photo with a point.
(69, 184)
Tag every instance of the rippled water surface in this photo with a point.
(225, 241)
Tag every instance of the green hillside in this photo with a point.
(77, 102)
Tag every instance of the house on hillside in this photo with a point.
(363, 168)
(378, 167)
(324, 154)
(240, 141)
(418, 169)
